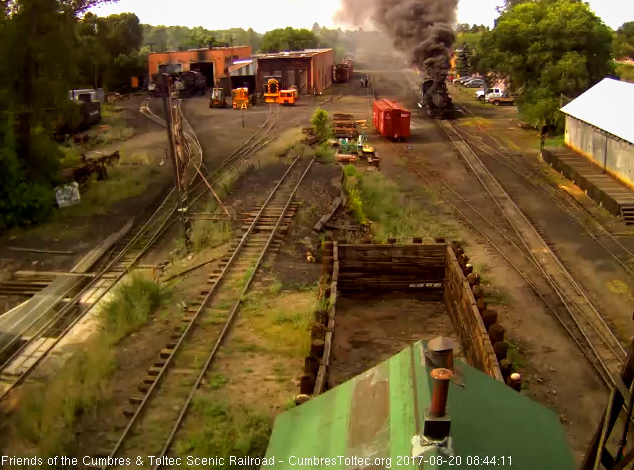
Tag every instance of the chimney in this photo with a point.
(440, 353)
(437, 421)
(440, 392)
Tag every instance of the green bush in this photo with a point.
(320, 122)
(131, 305)
(325, 153)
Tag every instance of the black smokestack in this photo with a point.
(421, 28)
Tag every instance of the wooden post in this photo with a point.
(318, 331)
(478, 291)
(515, 382)
(321, 316)
(311, 366)
(489, 317)
(496, 333)
(317, 348)
(501, 349)
(306, 384)
(482, 305)
(473, 279)
(506, 367)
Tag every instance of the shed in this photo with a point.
(310, 70)
(600, 127)
(212, 62)
(376, 420)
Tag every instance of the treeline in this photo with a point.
(44, 49)
(171, 38)
(548, 52)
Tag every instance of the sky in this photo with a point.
(303, 13)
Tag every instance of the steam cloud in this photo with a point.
(421, 28)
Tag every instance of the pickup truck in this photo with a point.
(503, 98)
(480, 95)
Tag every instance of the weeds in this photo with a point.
(275, 288)
(210, 234)
(392, 214)
(225, 431)
(325, 153)
(48, 412)
(216, 381)
(131, 305)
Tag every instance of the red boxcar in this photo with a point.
(391, 119)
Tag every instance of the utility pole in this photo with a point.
(180, 158)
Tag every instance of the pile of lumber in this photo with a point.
(393, 267)
(344, 126)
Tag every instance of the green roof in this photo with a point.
(376, 414)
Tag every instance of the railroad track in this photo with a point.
(600, 338)
(532, 256)
(156, 414)
(602, 236)
(20, 357)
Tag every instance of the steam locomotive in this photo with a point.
(435, 99)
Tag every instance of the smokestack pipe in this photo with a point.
(440, 353)
(440, 392)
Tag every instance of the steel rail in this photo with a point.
(192, 322)
(229, 322)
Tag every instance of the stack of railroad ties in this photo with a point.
(351, 143)
(490, 320)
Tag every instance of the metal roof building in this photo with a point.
(309, 70)
(386, 416)
(600, 126)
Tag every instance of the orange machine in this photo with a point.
(240, 97)
(287, 97)
(272, 94)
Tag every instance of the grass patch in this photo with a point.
(210, 234)
(515, 356)
(275, 288)
(477, 122)
(282, 321)
(47, 412)
(216, 381)
(325, 153)
(285, 142)
(131, 305)
(122, 183)
(391, 213)
(225, 431)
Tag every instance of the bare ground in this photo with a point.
(371, 329)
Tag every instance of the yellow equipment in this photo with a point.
(240, 97)
(272, 94)
(287, 97)
(218, 99)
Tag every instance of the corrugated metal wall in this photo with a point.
(593, 144)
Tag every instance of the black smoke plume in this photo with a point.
(421, 28)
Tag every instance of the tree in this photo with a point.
(320, 122)
(623, 44)
(464, 63)
(546, 49)
(288, 39)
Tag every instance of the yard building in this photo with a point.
(309, 70)
(599, 126)
(212, 62)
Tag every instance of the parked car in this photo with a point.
(502, 98)
(475, 83)
(461, 80)
(482, 94)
